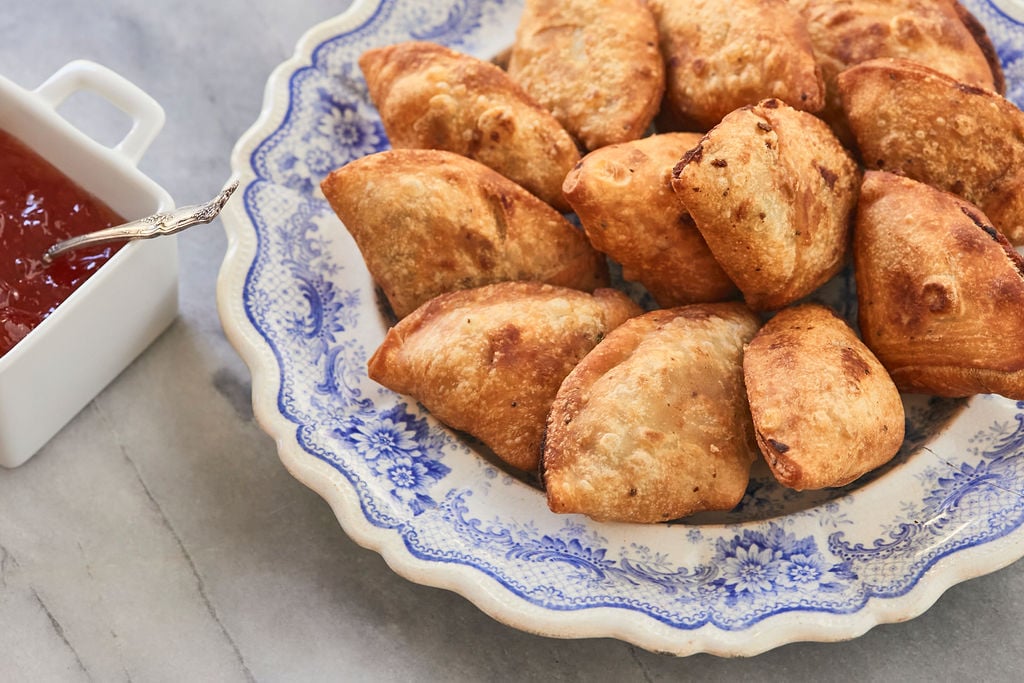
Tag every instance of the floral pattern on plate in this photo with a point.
(299, 306)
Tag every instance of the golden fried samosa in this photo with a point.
(773, 193)
(623, 196)
(825, 410)
(940, 291)
(724, 55)
(985, 44)
(431, 97)
(939, 33)
(429, 221)
(489, 361)
(911, 120)
(653, 424)
(594, 65)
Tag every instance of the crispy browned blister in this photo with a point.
(825, 410)
(940, 291)
(429, 221)
(623, 197)
(594, 65)
(431, 97)
(939, 33)
(911, 120)
(489, 361)
(721, 56)
(653, 424)
(773, 193)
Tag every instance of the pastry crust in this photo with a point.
(986, 46)
(653, 424)
(940, 291)
(594, 65)
(825, 411)
(429, 221)
(489, 361)
(722, 56)
(911, 120)
(623, 196)
(430, 97)
(773, 193)
(939, 33)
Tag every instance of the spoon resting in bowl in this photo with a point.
(157, 225)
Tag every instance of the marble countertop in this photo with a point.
(158, 537)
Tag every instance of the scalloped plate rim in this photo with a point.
(480, 588)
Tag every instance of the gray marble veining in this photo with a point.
(158, 537)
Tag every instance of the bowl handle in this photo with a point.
(146, 113)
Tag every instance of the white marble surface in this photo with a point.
(158, 537)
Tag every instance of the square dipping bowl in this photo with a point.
(55, 370)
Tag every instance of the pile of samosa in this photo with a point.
(732, 156)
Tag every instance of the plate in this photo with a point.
(299, 306)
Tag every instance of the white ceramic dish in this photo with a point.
(64, 362)
(298, 304)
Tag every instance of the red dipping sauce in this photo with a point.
(39, 205)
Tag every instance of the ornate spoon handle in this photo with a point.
(164, 223)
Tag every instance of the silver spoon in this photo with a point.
(157, 225)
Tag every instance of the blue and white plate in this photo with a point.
(298, 304)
